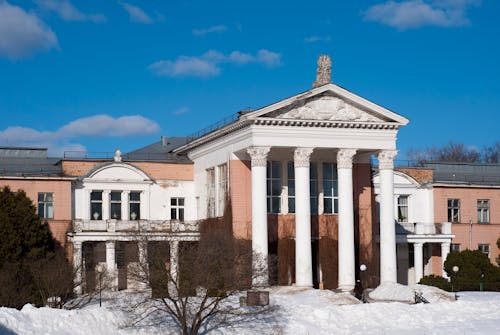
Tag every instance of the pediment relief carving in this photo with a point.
(326, 108)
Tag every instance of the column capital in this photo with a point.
(110, 244)
(386, 159)
(345, 158)
(258, 155)
(301, 157)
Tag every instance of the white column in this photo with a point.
(111, 264)
(142, 246)
(445, 250)
(143, 266)
(260, 272)
(418, 261)
(78, 266)
(388, 269)
(125, 206)
(347, 279)
(303, 252)
(105, 204)
(174, 259)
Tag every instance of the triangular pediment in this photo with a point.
(325, 107)
(328, 103)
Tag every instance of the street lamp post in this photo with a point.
(100, 271)
(362, 268)
(455, 269)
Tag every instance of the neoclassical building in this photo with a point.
(298, 175)
(310, 180)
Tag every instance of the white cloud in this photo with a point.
(241, 57)
(68, 12)
(213, 29)
(185, 66)
(22, 33)
(209, 64)
(136, 14)
(99, 125)
(316, 38)
(418, 13)
(92, 126)
(181, 111)
(269, 58)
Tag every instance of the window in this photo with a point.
(330, 188)
(96, 205)
(134, 203)
(222, 189)
(273, 187)
(116, 205)
(454, 210)
(485, 249)
(483, 211)
(313, 187)
(177, 209)
(291, 187)
(455, 247)
(403, 208)
(46, 205)
(211, 193)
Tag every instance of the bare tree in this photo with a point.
(195, 294)
(491, 154)
(451, 152)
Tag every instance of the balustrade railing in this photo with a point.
(172, 226)
(424, 228)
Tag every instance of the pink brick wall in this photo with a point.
(481, 233)
(155, 170)
(240, 180)
(61, 190)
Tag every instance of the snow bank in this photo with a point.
(297, 312)
(404, 293)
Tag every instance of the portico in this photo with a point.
(343, 207)
(302, 153)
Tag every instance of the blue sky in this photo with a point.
(99, 75)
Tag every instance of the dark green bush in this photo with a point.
(436, 281)
(474, 268)
(31, 268)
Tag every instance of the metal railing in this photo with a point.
(214, 126)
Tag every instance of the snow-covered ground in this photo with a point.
(295, 312)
